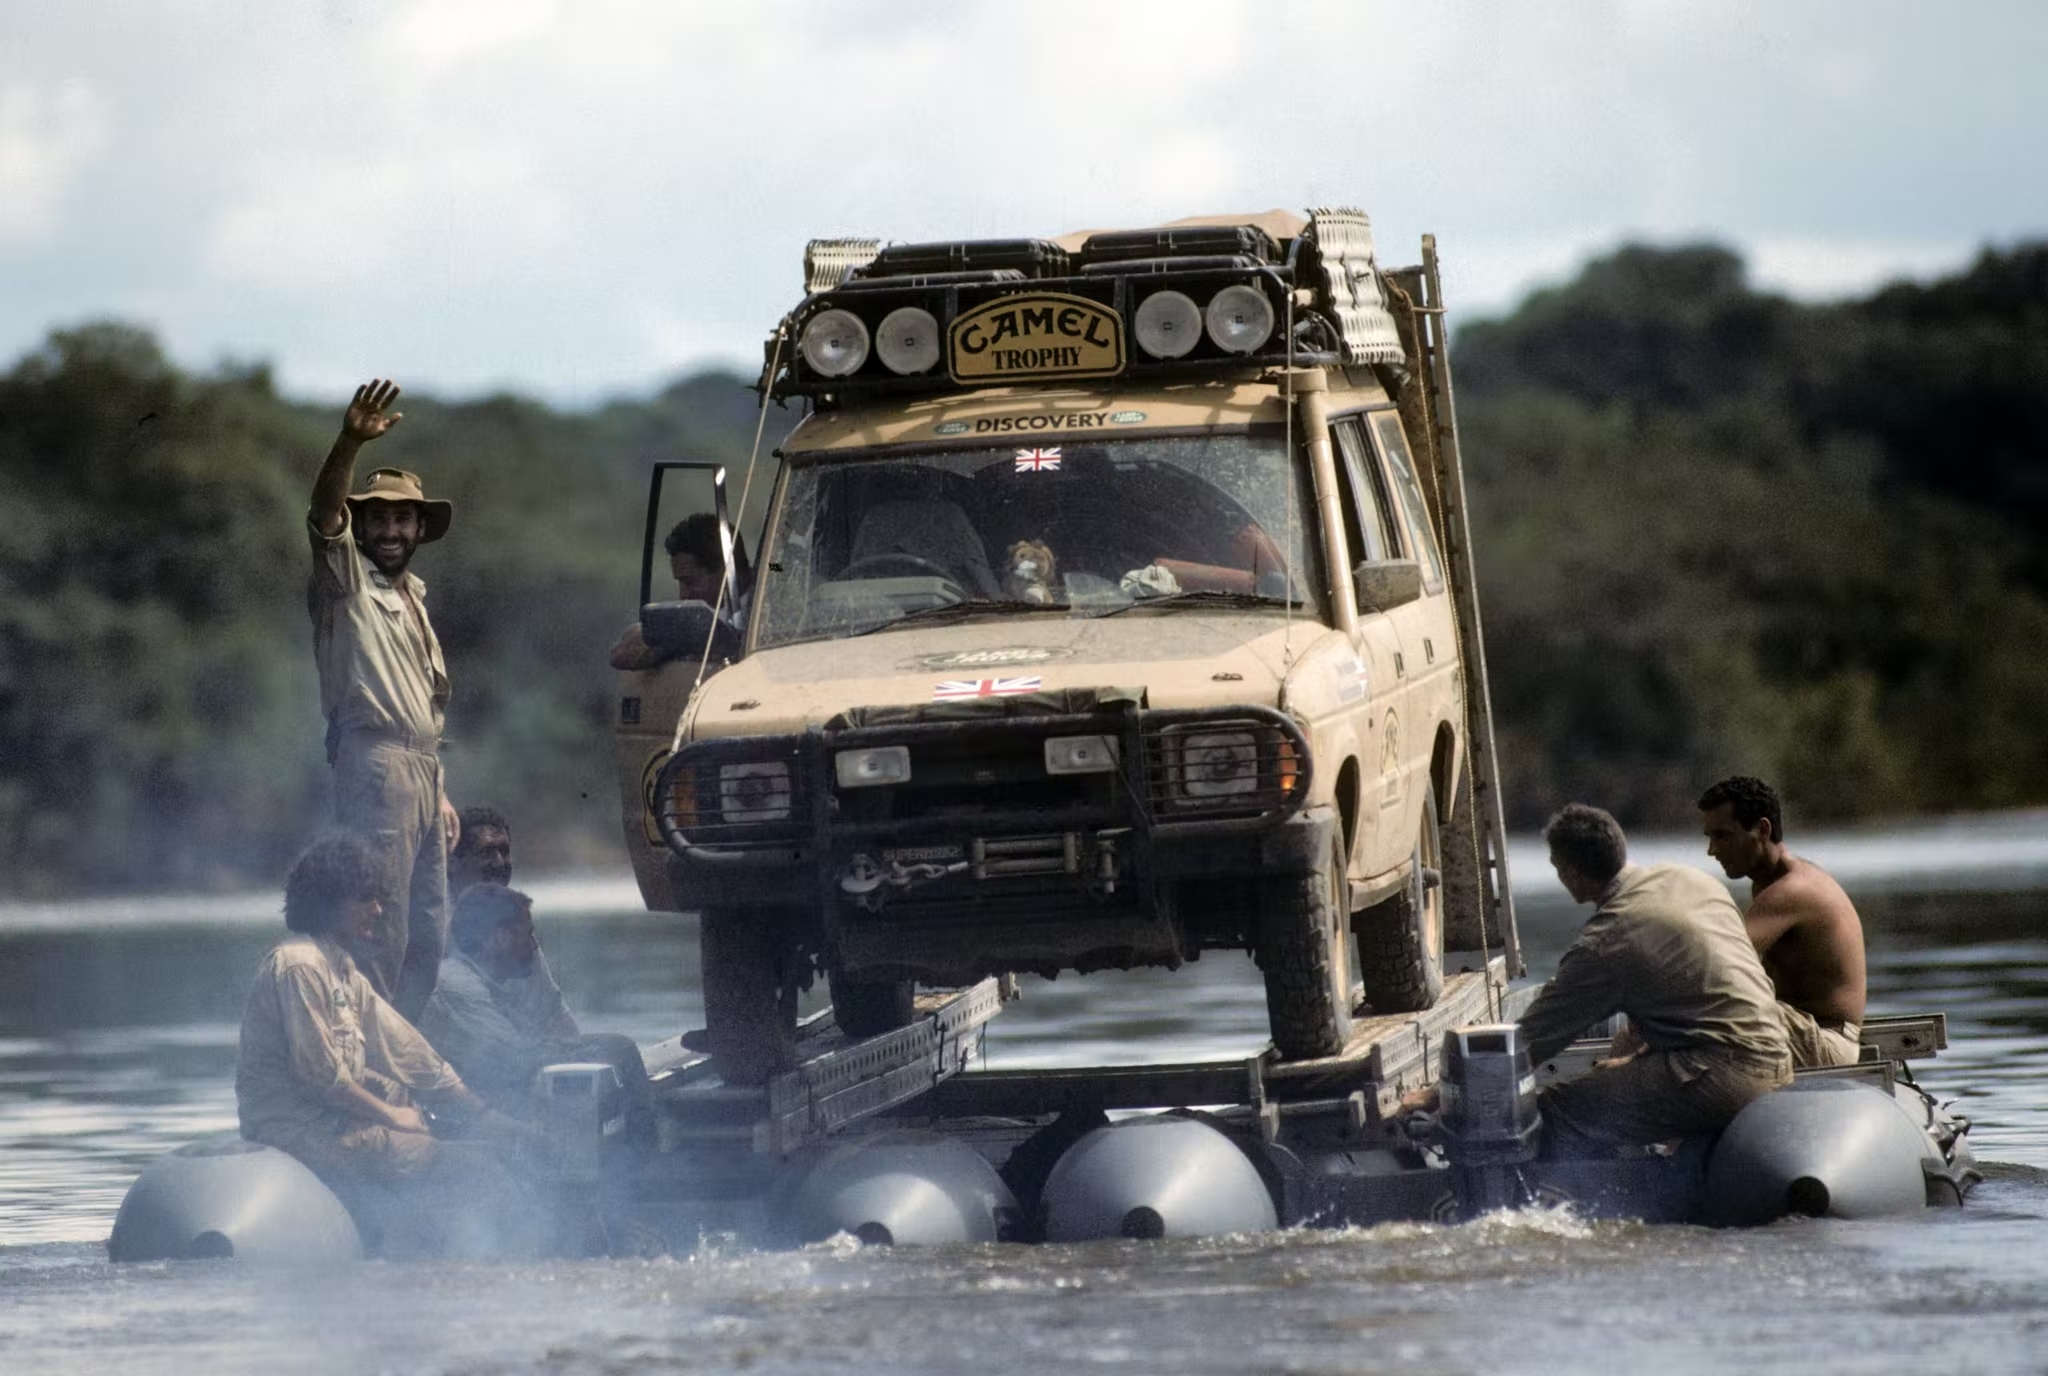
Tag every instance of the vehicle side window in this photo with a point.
(1367, 494)
(1357, 545)
(1386, 426)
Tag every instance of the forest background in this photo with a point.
(1716, 530)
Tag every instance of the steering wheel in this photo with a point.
(872, 563)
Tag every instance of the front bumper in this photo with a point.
(983, 833)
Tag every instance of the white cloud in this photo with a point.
(1817, 267)
(578, 197)
(47, 137)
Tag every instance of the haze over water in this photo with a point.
(117, 1030)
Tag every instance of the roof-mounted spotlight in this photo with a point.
(1168, 324)
(1240, 319)
(908, 341)
(835, 343)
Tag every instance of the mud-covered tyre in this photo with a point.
(870, 1007)
(749, 1002)
(1401, 939)
(1305, 953)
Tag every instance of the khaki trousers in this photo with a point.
(1814, 1045)
(389, 793)
(1654, 1097)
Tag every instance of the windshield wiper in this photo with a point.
(1205, 597)
(985, 606)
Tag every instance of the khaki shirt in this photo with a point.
(312, 1023)
(379, 660)
(1666, 947)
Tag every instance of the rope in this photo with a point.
(1287, 476)
(746, 486)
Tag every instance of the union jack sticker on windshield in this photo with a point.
(954, 689)
(1038, 460)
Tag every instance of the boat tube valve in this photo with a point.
(1488, 1115)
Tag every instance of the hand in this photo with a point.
(406, 1119)
(451, 825)
(1423, 1100)
(365, 419)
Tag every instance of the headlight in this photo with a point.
(754, 792)
(1214, 764)
(908, 340)
(835, 343)
(1080, 754)
(882, 764)
(1167, 325)
(1240, 319)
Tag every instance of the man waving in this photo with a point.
(384, 688)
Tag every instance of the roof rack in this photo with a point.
(936, 317)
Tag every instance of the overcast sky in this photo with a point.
(585, 199)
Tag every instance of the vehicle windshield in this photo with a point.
(865, 543)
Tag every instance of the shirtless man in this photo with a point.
(1803, 925)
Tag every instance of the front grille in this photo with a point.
(987, 779)
(984, 772)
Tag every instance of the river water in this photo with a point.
(117, 1031)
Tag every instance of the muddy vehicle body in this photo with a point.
(1112, 605)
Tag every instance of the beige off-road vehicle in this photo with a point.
(1112, 605)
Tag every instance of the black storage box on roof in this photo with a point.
(979, 278)
(1032, 257)
(1139, 267)
(1238, 241)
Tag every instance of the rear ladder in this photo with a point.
(1480, 906)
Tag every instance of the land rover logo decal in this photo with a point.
(951, 427)
(1035, 335)
(1126, 417)
(976, 659)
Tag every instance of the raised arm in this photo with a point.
(365, 420)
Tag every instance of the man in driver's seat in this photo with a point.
(697, 563)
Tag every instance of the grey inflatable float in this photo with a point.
(901, 1188)
(1825, 1148)
(224, 1197)
(1165, 1176)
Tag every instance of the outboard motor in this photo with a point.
(583, 1115)
(1488, 1116)
(583, 1109)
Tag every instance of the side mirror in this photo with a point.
(681, 628)
(1387, 584)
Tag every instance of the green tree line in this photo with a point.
(1716, 530)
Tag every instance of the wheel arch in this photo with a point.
(1443, 768)
(1348, 798)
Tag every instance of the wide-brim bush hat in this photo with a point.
(397, 485)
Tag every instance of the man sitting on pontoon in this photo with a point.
(1800, 921)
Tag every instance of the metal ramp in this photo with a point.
(1387, 1055)
(835, 1082)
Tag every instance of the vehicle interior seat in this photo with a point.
(933, 530)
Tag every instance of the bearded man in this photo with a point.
(384, 690)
